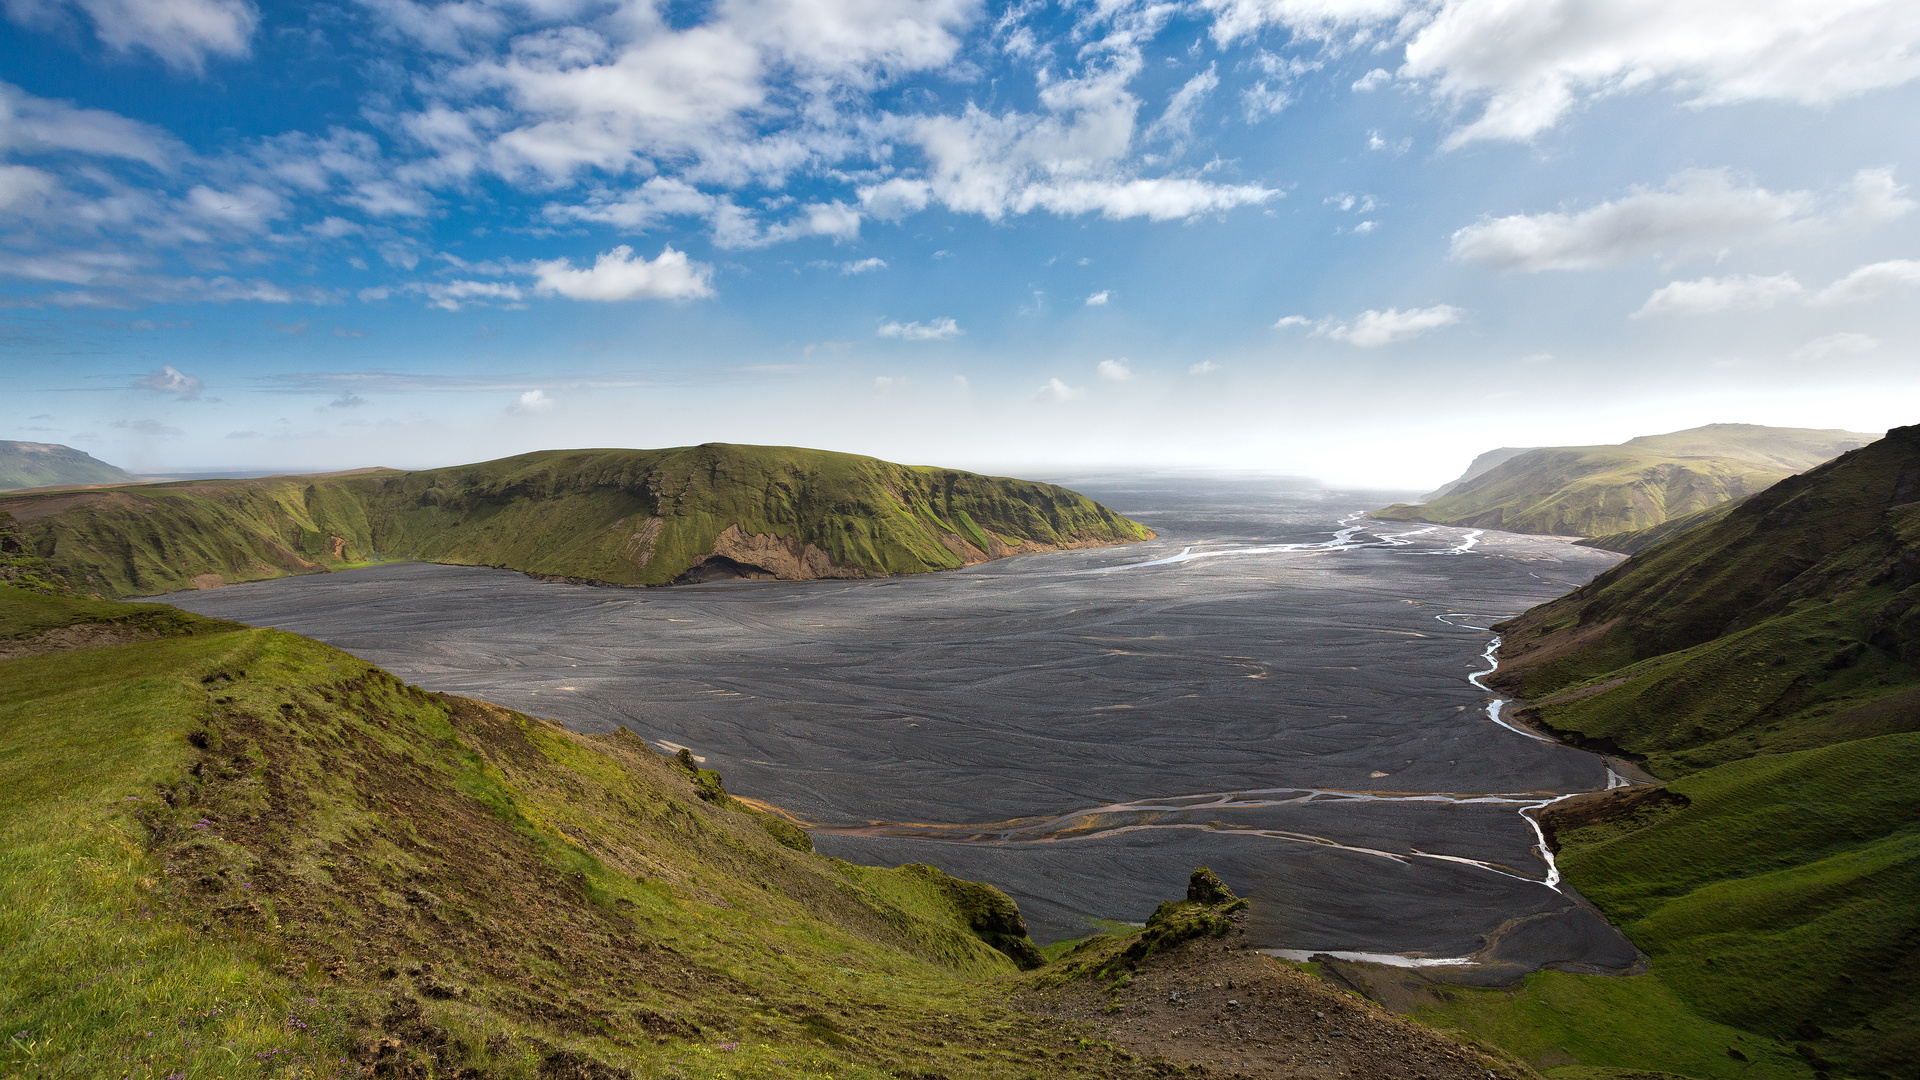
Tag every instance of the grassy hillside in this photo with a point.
(1638, 484)
(1639, 540)
(624, 517)
(31, 465)
(228, 852)
(1765, 665)
(230, 845)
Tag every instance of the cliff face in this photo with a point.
(624, 517)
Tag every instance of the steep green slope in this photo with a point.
(1639, 540)
(625, 517)
(1602, 490)
(1765, 662)
(32, 465)
(237, 846)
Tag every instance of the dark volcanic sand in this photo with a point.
(1009, 695)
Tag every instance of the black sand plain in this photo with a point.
(1277, 687)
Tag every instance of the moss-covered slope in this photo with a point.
(1768, 664)
(625, 517)
(227, 846)
(1638, 484)
(32, 465)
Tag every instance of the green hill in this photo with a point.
(622, 517)
(32, 465)
(1767, 665)
(1638, 484)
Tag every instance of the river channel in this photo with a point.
(1277, 687)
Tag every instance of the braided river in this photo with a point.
(1278, 687)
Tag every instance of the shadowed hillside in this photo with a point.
(622, 517)
(1765, 663)
(32, 465)
(1638, 484)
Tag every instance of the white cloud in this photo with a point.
(1067, 160)
(1530, 63)
(1115, 370)
(1371, 329)
(617, 275)
(1176, 124)
(1744, 291)
(1870, 281)
(531, 402)
(1527, 65)
(1204, 367)
(1834, 345)
(183, 33)
(171, 380)
(638, 209)
(933, 330)
(454, 295)
(1100, 298)
(1699, 210)
(33, 125)
(1372, 80)
(1318, 20)
(862, 266)
(1055, 390)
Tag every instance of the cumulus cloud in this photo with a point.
(1115, 370)
(1870, 281)
(617, 275)
(1835, 345)
(1204, 367)
(171, 380)
(1696, 210)
(933, 330)
(347, 401)
(862, 266)
(1068, 159)
(454, 295)
(1056, 391)
(183, 33)
(1371, 329)
(1743, 291)
(531, 402)
(1100, 298)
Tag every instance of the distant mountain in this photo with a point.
(32, 465)
(1767, 664)
(620, 517)
(1481, 465)
(1638, 484)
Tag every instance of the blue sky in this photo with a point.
(1360, 240)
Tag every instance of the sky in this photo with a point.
(1354, 240)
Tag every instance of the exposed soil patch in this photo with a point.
(1214, 1004)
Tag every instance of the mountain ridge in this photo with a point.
(618, 517)
(33, 465)
(1593, 491)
